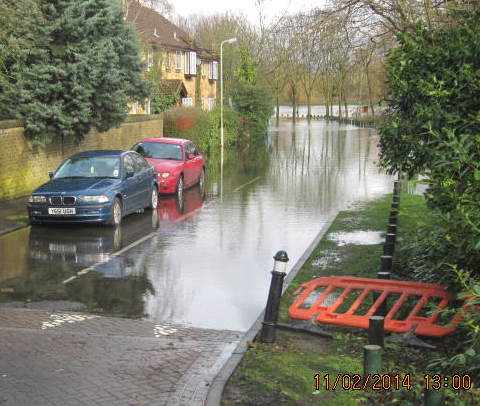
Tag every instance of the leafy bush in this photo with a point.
(202, 127)
(434, 129)
(254, 105)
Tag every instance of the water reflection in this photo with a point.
(204, 261)
(171, 209)
(80, 247)
(73, 263)
(217, 274)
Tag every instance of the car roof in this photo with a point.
(167, 140)
(100, 152)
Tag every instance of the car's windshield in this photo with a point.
(89, 167)
(159, 150)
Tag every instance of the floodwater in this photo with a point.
(206, 261)
(358, 237)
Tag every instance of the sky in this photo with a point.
(272, 8)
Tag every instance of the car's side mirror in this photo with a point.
(191, 156)
(130, 174)
(50, 174)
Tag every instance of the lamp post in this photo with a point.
(230, 40)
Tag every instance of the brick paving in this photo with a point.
(52, 357)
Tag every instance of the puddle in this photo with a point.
(328, 257)
(358, 238)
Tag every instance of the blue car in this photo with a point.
(95, 187)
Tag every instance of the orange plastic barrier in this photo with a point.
(351, 301)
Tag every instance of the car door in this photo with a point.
(129, 184)
(193, 164)
(144, 177)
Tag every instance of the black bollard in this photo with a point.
(393, 217)
(383, 275)
(386, 263)
(376, 331)
(392, 228)
(389, 246)
(267, 334)
(397, 188)
(382, 309)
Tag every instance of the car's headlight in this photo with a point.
(164, 174)
(95, 199)
(37, 199)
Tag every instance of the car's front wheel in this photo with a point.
(180, 188)
(154, 198)
(116, 212)
(201, 179)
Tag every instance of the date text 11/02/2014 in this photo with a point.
(389, 382)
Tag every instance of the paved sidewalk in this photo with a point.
(53, 354)
(70, 358)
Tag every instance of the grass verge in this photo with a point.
(300, 369)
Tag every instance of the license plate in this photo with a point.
(61, 210)
(62, 248)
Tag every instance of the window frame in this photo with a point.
(178, 60)
(213, 70)
(168, 62)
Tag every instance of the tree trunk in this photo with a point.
(294, 101)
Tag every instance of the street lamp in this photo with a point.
(230, 40)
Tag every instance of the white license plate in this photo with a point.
(62, 248)
(61, 210)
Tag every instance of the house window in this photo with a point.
(178, 60)
(211, 103)
(213, 70)
(167, 61)
(190, 63)
(149, 58)
(135, 108)
(187, 101)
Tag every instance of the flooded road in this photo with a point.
(205, 261)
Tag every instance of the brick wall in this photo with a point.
(24, 166)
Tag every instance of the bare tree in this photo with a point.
(164, 7)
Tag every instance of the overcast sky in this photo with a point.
(272, 8)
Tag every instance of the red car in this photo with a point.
(178, 162)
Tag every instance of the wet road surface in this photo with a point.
(204, 262)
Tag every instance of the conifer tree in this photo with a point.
(80, 69)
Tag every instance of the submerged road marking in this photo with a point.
(189, 214)
(245, 184)
(120, 252)
(115, 254)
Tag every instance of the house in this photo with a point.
(188, 72)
